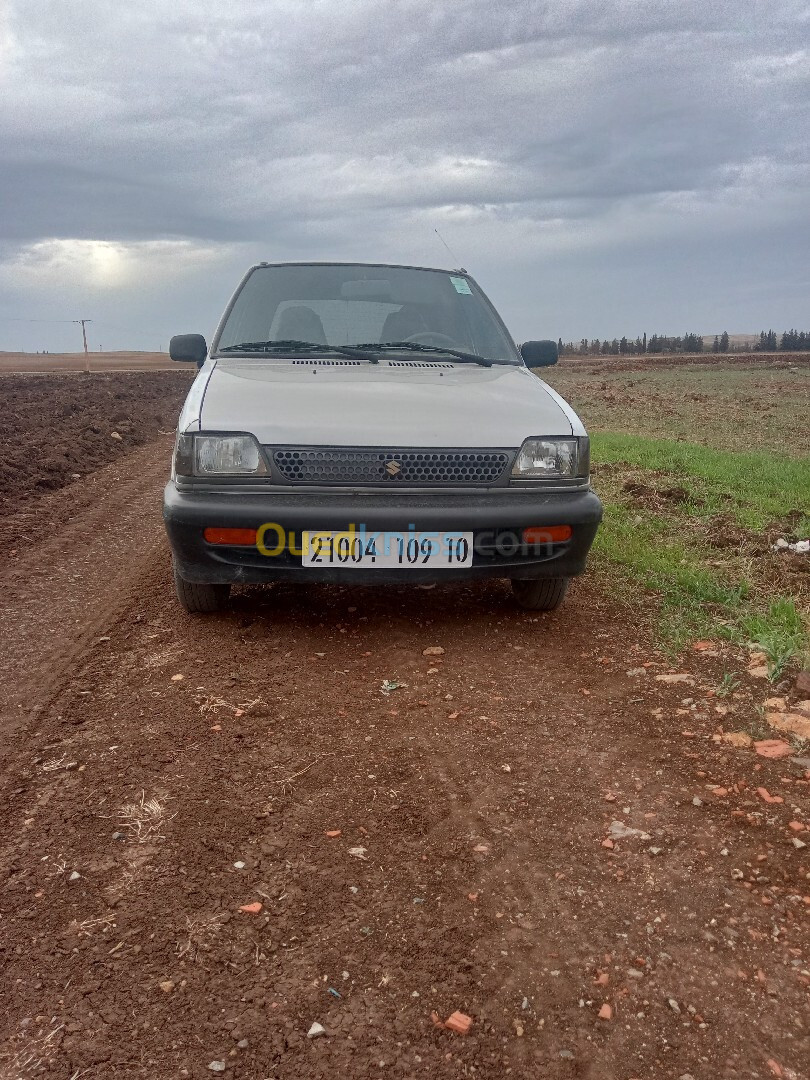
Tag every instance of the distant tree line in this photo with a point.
(769, 341)
(657, 343)
(789, 341)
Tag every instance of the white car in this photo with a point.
(368, 423)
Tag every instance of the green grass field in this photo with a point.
(701, 470)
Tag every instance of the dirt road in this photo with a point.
(438, 846)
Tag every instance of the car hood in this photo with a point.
(286, 402)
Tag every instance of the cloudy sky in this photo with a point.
(600, 166)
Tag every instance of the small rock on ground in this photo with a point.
(619, 831)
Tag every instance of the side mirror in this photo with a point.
(539, 353)
(189, 347)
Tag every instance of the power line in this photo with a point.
(39, 320)
(98, 322)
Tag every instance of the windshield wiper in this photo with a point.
(415, 346)
(292, 345)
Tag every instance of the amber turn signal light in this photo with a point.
(547, 534)
(231, 537)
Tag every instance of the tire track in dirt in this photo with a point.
(305, 890)
(75, 562)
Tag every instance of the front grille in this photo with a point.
(395, 468)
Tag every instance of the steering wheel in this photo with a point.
(434, 338)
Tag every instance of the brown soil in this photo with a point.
(595, 365)
(655, 497)
(96, 361)
(59, 428)
(480, 793)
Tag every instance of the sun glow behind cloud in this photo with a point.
(105, 264)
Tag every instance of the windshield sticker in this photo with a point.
(461, 285)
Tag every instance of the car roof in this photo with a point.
(350, 262)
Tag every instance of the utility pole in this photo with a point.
(84, 339)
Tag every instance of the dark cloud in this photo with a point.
(175, 141)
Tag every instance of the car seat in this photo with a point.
(402, 324)
(300, 323)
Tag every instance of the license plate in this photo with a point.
(436, 551)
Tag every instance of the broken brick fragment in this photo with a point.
(773, 748)
(458, 1022)
(251, 909)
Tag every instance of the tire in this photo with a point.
(199, 597)
(541, 594)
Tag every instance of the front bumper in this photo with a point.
(494, 518)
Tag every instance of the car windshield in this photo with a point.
(376, 307)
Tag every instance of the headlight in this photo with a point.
(552, 459)
(218, 455)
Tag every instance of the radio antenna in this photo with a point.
(452, 255)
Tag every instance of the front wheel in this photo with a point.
(198, 597)
(540, 594)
